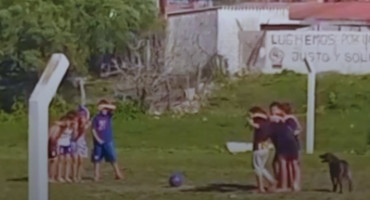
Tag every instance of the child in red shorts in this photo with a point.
(294, 128)
(287, 150)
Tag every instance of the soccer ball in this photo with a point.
(176, 180)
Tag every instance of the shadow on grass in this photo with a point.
(88, 178)
(22, 179)
(322, 190)
(25, 179)
(222, 187)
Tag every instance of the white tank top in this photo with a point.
(65, 138)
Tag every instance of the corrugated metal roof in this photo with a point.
(354, 11)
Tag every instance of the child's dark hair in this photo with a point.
(274, 104)
(103, 101)
(286, 107)
(257, 109)
(71, 114)
(63, 118)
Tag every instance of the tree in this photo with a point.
(31, 30)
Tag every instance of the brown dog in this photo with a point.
(339, 170)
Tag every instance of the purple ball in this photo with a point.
(176, 180)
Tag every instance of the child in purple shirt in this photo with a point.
(292, 122)
(103, 139)
(274, 117)
(287, 148)
(294, 128)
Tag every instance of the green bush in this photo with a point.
(127, 110)
(59, 106)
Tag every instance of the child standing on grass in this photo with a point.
(274, 118)
(294, 128)
(292, 122)
(260, 123)
(80, 145)
(54, 132)
(103, 139)
(65, 150)
(286, 149)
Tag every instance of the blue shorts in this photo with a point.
(65, 150)
(106, 151)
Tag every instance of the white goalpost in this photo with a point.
(38, 122)
(311, 90)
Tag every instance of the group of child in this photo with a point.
(282, 129)
(68, 147)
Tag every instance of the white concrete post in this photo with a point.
(311, 88)
(38, 122)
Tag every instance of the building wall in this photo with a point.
(192, 37)
(346, 52)
(191, 40)
(231, 20)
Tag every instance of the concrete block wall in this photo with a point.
(249, 17)
(191, 40)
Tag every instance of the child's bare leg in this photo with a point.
(52, 164)
(117, 171)
(290, 174)
(54, 169)
(96, 171)
(61, 160)
(68, 166)
(56, 164)
(297, 176)
(283, 175)
(260, 185)
(80, 168)
(75, 168)
(71, 163)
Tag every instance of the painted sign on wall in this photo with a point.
(345, 52)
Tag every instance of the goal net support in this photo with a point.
(311, 90)
(38, 122)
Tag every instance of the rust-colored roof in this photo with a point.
(356, 11)
(258, 5)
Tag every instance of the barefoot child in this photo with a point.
(103, 139)
(80, 149)
(286, 148)
(65, 150)
(294, 128)
(274, 117)
(260, 122)
(55, 130)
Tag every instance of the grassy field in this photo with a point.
(151, 149)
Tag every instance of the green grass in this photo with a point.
(151, 149)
